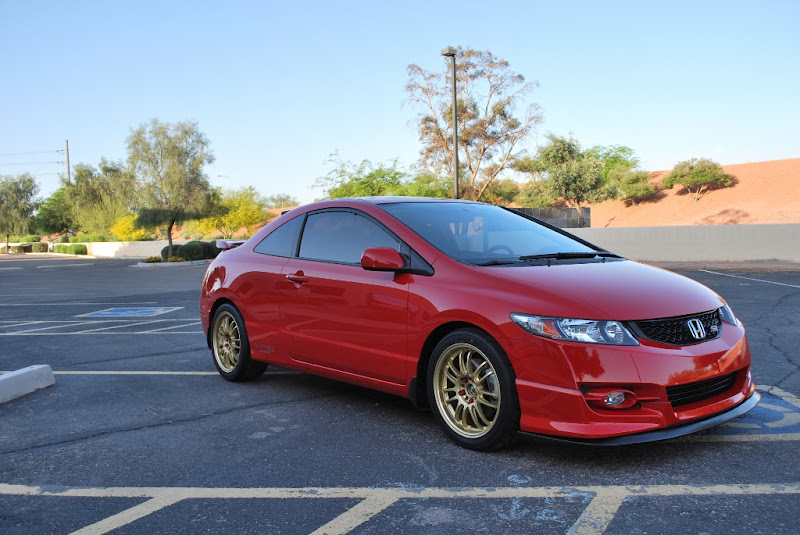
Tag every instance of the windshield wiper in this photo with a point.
(496, 262)
(565, 256)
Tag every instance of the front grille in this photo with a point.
(677, 331)
(685, 394)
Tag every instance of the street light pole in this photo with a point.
(451, 53)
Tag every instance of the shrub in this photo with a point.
(697, 176)
(40, 247)
(192, 251)
(176, 259)
(87, 238)
(64, 239)
(209, 249)
(126, 230)
(30, 238)
(75, 248)
(153, 260)
(17, 249)
(176, 250)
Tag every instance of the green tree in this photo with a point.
(629, 184)
(570, 174)
(55, 214)
(17, 204)
(280, 200)
(698, 176)
(557, 151)
(98, 198)
(579, 182)
(502, 191)
(612, 156)
(536, 194)
(168, 161)
(489, 97)
(369, 180)
(428, 185)
(242, 208)
(363, 180)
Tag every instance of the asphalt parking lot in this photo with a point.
(140, 434)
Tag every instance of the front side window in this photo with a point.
(341, 237)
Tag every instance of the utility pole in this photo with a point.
(67, 153)
(451, 53)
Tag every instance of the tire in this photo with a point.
(231, 348)
(472, 391)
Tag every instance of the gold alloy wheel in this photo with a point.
(227, 342)
(467, 390)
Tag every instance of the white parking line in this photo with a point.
(106, 333)
(749, 279)
(189, 374)
(40, 329)
(84, 327)
(597, 516)
(81, 303)
(48, 266)
(173, 327)
(120, 326)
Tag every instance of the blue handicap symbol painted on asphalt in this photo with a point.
(772, 416)
(133, 312)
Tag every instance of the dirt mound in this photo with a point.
(762, 192)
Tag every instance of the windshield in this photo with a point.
(485, 234)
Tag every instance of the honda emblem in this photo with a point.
(696, 328)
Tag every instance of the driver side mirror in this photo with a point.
(382, 259)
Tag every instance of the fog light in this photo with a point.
(614, 399)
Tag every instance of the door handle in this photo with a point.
(297, 278)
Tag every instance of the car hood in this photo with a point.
(621, 290)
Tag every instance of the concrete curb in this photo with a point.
(171, 264)
(25, 381)
(761, 265)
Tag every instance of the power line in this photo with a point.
(30, 163)
(30, 153)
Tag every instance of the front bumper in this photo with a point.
(561, 387)
(658, 434)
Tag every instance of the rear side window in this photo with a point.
(282, 240)
(341, 237)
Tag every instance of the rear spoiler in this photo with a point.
(225, 245)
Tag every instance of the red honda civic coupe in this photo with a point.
(499, 323)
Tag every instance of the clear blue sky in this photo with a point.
(278, 86)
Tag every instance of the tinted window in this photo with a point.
(473, 232)
(282, 240)
(341, 237)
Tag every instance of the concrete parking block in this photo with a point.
(25, 381)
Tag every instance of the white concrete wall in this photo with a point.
(128, 249)
(702, 243)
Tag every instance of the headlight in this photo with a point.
(575, 330)
(726, 315)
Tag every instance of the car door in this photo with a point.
(258, 293)
(337, 314)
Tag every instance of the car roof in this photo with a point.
(395, 200)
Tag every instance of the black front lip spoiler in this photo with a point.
(658, 434)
